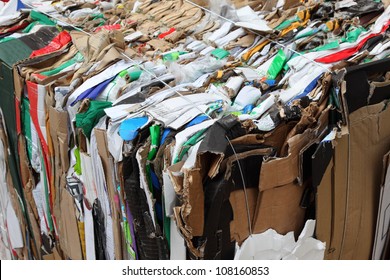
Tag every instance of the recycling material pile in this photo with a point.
(174, 129)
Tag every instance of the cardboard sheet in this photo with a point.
(383, 220)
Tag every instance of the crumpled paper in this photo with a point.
(271, 245)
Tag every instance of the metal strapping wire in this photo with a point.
(154, 75)
(244, 187)
(130, 59)
(259, 34)
(185, 98)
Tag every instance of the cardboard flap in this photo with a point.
(177, 177)
(239, 228)
(192, 209)
(250, 139)
(278, 172)
(58, 121)
(357, 83)
(70, 239)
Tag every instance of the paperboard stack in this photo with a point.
(194, 129)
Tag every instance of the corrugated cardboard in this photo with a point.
(11, 90)
(56, 131)
(369, 140)
(28, 184)
(383, 219)
(53, 256)
(11, 52)
(331, 202)
(70, 239)
(108, 163)
(325, 202)
(15, 201)
(193, 195)
(59, 138)
(281, 184)
(355, 186)
(353, 178)
(239, 228)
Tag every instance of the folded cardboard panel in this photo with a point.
(382, 225)
(350, 189)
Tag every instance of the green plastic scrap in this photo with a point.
(38, 18)
(237, 113)
(220, 53)
(129, 240)
(189, 143)
(126, 227)
(329, 46)
(367, 60)
(97, 16)
(173, 56)
(26, 121)
(29, 27)
(155, 132)
(277, 65)
(77, 58)
(41, 18)
(155, 140)
(133, 74)
(353, 34)
(167, 229)
(6, 39)
(77, 166)
(87, 120)
(287, 23)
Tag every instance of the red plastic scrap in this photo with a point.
(56, 44)
(170, 31)
(109, 27)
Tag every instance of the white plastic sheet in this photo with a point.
(270, 245)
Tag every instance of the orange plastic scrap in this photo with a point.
(254, 50)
